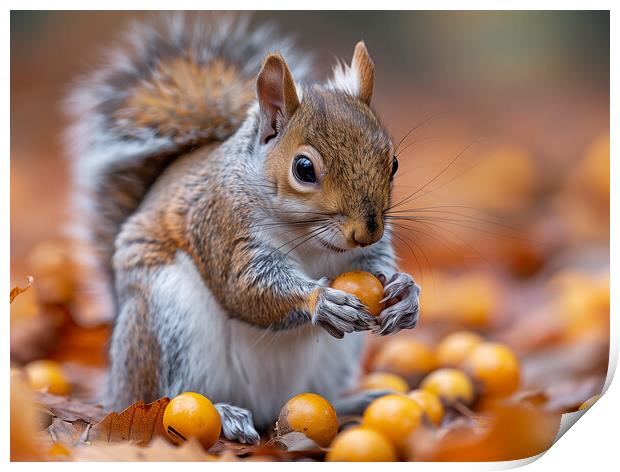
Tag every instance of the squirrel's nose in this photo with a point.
(363, 233)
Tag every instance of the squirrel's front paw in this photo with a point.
(338, 312)
(237, 424)
(401, 297)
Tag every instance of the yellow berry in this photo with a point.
(395, 416)
(59, 450)
(192, 415)
(496, 367)
(429, 403)
(310, 414)
(406, 357)
(361, 444)
(384, 381)
(450, 385)
(454, 348)
(589, 402)
(46, 374)
(364, 286)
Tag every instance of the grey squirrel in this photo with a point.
(221, 191)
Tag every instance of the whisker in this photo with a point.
(406, 228)
(408, 198)
(431, 226)
(450, 221)
(397, 236)
(296, 239)
(438, 238)
(469, 218)
(420, 123)
(405, 241)
(306, 240)
(311, 213)
(415, 141)
(290, 223)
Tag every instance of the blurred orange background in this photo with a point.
(529, 91)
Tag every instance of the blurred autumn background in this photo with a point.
(504, 178)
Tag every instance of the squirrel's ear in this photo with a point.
(363, 65)
(277, 96)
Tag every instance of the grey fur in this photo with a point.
(109, 154)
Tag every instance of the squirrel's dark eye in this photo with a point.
(303, 169)
(394, 166)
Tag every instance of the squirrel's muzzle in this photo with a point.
(365, 231)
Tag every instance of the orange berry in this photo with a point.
(589, 402)
(430, 404)
(364, 286)
(395, 416)
(59, 450)
(450, 385)
(361, 444)
(454, 348)
(46, 374)
(496, 367)
(310, 414)
(384, 380)
(405, 357)
(192, 415)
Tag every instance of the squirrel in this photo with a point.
(221, 190)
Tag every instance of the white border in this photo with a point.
(593, 444)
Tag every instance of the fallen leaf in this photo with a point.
(515, 431)
(139, 423)
(566, 395)
(15, 291)
(67, 432)
(70, 410)
(238, 449)
(159, 450)
(557, 364)
(296, 441)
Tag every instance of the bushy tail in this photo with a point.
(176, 84)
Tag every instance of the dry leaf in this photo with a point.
(514, 432)
(15, 291)
(160, 450)
(238, 449)
(70, 410)
(67, 432)
(139, 423)
(567, 396)
(296, 441)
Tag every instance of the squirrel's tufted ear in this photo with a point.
(357, 79)
(363, 65)
(277, 96)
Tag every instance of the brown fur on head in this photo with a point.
(351, 154)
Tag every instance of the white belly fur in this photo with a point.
(234, 362)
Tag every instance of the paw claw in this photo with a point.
(339, 312)
(237, 424)
(403, 313)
